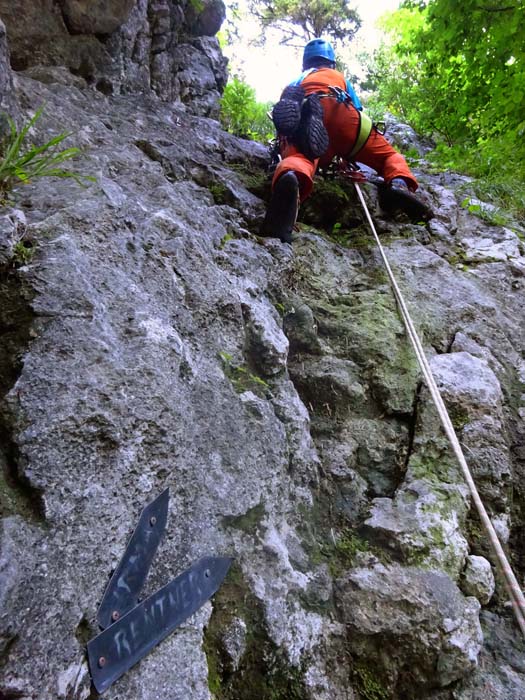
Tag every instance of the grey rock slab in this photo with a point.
(267, 342)
(99, 17)
(115, 342)
(467, 380)
(422, 525)
(140, 51)
(8, 100)
(500, 672)
(502, 245)
(417, 615)
(478, 579)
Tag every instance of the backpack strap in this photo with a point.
(303, 75)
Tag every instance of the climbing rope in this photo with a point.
(513, 588)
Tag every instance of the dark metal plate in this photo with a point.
(120, 646)
(124, 587)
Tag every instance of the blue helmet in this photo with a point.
(318, 48)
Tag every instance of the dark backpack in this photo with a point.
(300, 119)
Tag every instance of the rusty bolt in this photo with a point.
(102, 661)
(115, 615)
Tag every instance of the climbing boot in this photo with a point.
(282, 211)
(286, 114)
(312, 137)
(395, 196)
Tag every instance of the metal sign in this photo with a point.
(126, 583)
(132, 629)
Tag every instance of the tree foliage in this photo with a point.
(456, 71)
(458, 68)
(301, 20)
(242, 115)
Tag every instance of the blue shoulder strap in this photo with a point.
(349, 89)
(353, 96)
(303, 75)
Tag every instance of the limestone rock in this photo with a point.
(234, 641)
(501, 668)
(397, 614)
(150, 338)
(147, 46)
(268, 344)
(404, 137)
(415, 524)
(8, 102)
(206, 18)
(477, 579)
(502, 245)
(99, 17)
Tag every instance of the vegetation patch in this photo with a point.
(224, 240)
(490, 214)
(469, 103)
(23, 252)
(262, 672)
(242, 378)
(333, 208)
(21, 162)
(368, 685)
(248, 522)
(220, 193)
(255, 181)
(242, 115)
(330, 540)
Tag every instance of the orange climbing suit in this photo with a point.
(342, 123)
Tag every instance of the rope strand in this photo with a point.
(513, 588)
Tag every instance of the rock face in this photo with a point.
(7, 95)
(123, 46)
(415, 620)
(99, 17)
(149, 339)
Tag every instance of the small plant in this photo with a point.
(241, 377)
(23, 251)
(370, 688)
(21, 162)
(227, 237)
(490, 214)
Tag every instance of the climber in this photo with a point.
(334, 125)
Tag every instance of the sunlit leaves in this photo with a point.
(301, 20)
(242, 115)
(472, 53)
(456, 71)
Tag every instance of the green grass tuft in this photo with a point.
(21, 162)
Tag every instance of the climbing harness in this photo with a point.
(513, 588)
(299, 117)
(365, 123)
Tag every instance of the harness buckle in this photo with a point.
(340, 94)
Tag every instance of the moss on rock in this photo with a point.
(262, 671)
